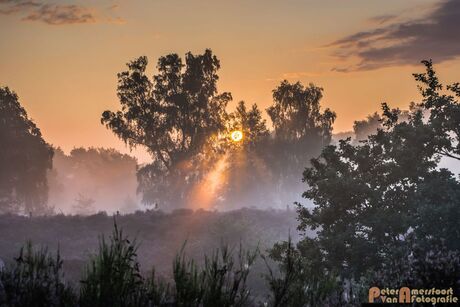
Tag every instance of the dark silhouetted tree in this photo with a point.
(176, 117)
(372, 197)
(25, 159)
(444, 112)
(385, 212)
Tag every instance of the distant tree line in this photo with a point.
(88, 180)
(179, 116)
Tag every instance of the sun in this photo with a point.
(236, 135)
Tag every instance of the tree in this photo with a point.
(103, 175)
(444, 110)
(25, 159)
(372, 197)
(176, 117)
(385, 213)
(248, 176)
(250, 122)
(296, 112)
(366, 127)
(301, 130)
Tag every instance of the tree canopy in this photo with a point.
(385, 213)
(25, 159)
(175, 115)
(301, 130)
(376, 197)
(250, 122)
(179, 116)
(296, 112)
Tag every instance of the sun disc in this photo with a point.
(237, 136)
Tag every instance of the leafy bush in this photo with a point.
(298, 281)
(419, 265)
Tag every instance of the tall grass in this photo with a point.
(35, 279)
(113, 278)
(222, 281)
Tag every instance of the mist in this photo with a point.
(87, 181)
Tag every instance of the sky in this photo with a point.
(62, 57)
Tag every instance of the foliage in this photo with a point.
(113, 277)
(296, 112)
(175, 116)
(371, 198)
(362, 129)
(300, 282)
(265, 167)
(385, 214)
(181, 119)
(248, 175)
(301, 130)
(221, 282)
(250, 122)
(35, 280)
(444, 111)
(25, 159)
(417, 265)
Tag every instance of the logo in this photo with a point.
(405, 295)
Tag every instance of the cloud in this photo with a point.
(435, 36)
(382, 19)
(12, 7)
(61, 14)
(54, 14)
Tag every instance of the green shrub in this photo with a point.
(299, 281)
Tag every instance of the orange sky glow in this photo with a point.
(62, 57)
